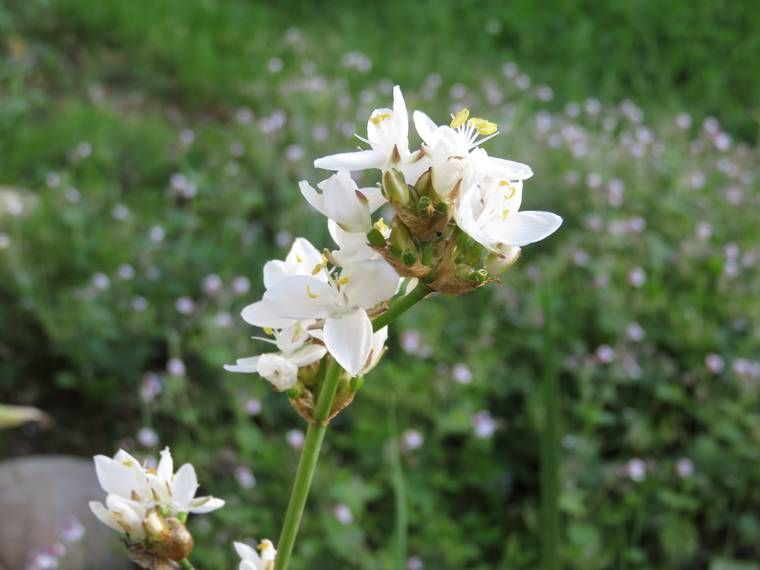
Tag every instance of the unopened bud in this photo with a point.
(497, 263)
(375, 238)
(424, 184)
(470, 251)
(395, 188)
(401, 239)
(293, 393)
(425, 206)
(408, 258)
(169, 538)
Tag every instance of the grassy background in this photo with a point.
(100, 98)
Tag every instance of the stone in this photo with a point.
(43, 501)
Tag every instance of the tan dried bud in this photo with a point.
(167, 537)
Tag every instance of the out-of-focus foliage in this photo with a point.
(148, 164)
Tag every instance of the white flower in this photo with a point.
(353, 247)
(302, 259)
(123, 515)
(281, 369)
(133, 491)
(176, 491)
(343, 202)
(456, 156)
(387, 135)
(489, 213)
(252, 560)
(347, 331)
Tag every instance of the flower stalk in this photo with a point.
(315, 434)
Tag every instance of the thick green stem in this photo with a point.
(550, 481)
(307, 464)
(186, 564)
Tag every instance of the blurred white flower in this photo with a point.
(185, 305)
(412, 439)
(295, 438)
(147, 437)
(212, 284)
(461, 373)
(605, 354)
(245, 477)
(101, 281)
(637, 277)
(126, 271)
(636, 470)
(343, 514)
(175, 367)
(684, 467)
(251, 560)
(483, 424)
(241, 285)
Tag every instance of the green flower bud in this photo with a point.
(395, 188)
(408, 257)
(375, 238)
(425, 206)
(293, 393)
(424, 184)
(357, 383)
(401, 239)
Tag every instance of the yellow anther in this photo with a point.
(128, 463)
(317, 268)
(483, 126)
(459, 119)
(268, 330)
(378, 118)
(511, 190)
(343, 280)
(310, 293)
(505, 213)
(381, 226)
(299, 259)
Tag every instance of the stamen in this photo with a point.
(299, 259)
(505, 213)
(310, 293)
(511, 190)
(317, 268)
(483, 126)
(343, 280)
(459, 119)
(378, 118)
(381, 226)
(268, 330)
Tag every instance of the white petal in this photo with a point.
(248, 565)
(279, 371)
(115, 477)
(349, 340)
(165, 469)
(264, 314)
(425, 127)
(303, 257)
(274, 271)
(314, 198)
(184, 486)
(378, 348)
(129, 515)
(244, 365)
(302, 297)
(247, 553)
(374, 196)
(105, 516)
(528, 227)
(343, 203)
(203, 505)
(369, 283)
(506, 169)
(360, 160)
(307, 355)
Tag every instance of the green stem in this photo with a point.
(307, 464)
(399, 492)
(402, 305)
(186, 564)
(550, 482)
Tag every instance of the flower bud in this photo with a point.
(401, 239)
(375, 238)
(424, 184)
(168, 537)
(498, 263)
(395, 188)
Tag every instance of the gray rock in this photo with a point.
(40, 497)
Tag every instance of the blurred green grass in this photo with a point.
(102, 105)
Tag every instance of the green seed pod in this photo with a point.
(401, 239)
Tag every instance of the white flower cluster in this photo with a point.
(458, 221)
(148, 506)
(135, 491)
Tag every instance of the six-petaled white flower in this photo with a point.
(252, 560)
